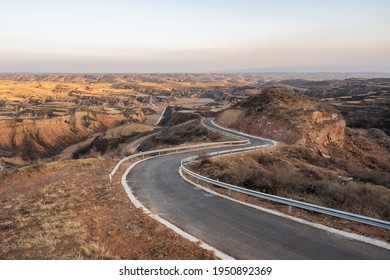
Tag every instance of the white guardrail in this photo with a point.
(279, 199)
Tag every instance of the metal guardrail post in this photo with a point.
(290, 207)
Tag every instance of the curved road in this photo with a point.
(237, 230)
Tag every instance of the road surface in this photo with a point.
(237, 230)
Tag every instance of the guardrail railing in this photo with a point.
(175, 149)
(279, 199)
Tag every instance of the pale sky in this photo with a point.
(194, 35)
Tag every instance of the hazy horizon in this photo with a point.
(293, 70)
(194, 36)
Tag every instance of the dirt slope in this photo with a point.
(32, 139)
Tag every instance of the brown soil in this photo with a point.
(68, 210)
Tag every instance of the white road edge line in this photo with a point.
(345, 234)
(179, 231)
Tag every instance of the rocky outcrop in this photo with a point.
(322, 130)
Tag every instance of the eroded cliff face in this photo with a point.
(321, 130)
(283, 115)
(32, 139)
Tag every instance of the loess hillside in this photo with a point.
(283, 115)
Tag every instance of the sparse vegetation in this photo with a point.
(68, 210)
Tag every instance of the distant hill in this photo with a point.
(364, 103)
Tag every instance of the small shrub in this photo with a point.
(267, 159)
(377, 177)
(307, 155)
(311, 174)
(204, 159)
(258, 181)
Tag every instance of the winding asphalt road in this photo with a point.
(237, 230)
